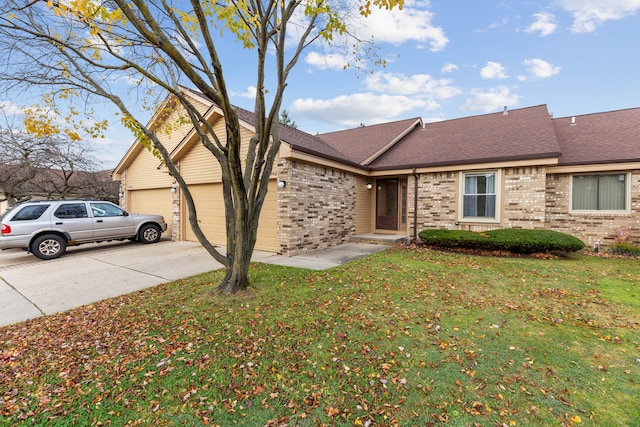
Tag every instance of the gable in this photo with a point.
(520, 134)
(169, 131)
(365, 143)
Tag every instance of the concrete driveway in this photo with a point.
(31, 288)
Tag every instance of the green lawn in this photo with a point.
(404, 337)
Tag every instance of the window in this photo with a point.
(105, 209)
(479, 195)
(599, 192)
(71, 210)
(29, 213)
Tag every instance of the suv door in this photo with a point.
(111, 221)
(73, 219)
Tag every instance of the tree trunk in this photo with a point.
(239, 253)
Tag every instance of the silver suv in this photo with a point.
(46, 227)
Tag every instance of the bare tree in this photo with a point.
(50, 167)
(83, 46)
(20, 156)
(65, 169)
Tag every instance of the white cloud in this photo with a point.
(545, 24)
(10, 109)
(448, 68)
(420, 85)
(490, 100)
(249, 93)
(412, 23)
(589, 14)
(503, 22)
(352, 110)
(332, 61)
(493, 70)
(540, 68)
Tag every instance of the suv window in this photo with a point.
(71, 210)
(29, 213)
(106, 209)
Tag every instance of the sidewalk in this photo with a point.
(31, 288)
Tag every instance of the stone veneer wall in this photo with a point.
(316, 209)
(590, 227)
(122, 200)
(176, 226)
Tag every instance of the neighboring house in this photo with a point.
(55, 184)
(514, 169)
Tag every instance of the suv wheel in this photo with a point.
(150, 233)
(48, 246)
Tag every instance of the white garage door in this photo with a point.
(157, 201)
(210, 209)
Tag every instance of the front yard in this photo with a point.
(404, 337)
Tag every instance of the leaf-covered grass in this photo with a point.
(404, 337)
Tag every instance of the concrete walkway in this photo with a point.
(31, 288)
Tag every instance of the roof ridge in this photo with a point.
(619, 110)
(489, 114)
(370, 126)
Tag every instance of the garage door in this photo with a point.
(210, 208)
(157, 201)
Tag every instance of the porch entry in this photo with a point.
(387, 203)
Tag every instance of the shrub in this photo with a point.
(508, 239)
(625, 249)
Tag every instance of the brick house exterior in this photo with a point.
(513, 169)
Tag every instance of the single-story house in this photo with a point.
(517, 168)
(48, 183)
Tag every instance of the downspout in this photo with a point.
(415, 205)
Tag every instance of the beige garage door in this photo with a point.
(210, 209)
(156, 201)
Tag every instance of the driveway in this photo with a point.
(31, 288)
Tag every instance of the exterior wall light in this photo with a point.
(369, 186)
(174, 189)
(282, 184)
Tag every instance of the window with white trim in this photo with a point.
(601, 192)
(479, 198)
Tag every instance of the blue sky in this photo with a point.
(449, 59)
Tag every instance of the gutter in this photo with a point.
(415, 205)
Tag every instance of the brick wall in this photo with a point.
(316, 209)
(590, 227)
(437, 201)
(523, 198)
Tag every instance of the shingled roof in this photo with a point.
(510, 135)
(365, 143)
(520, 134)
(611, 137)
(299, 140)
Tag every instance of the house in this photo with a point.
(48, 183)
(517, 168)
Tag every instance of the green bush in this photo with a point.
(625, 249)
(508, 239)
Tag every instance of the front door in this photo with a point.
(387, 204)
